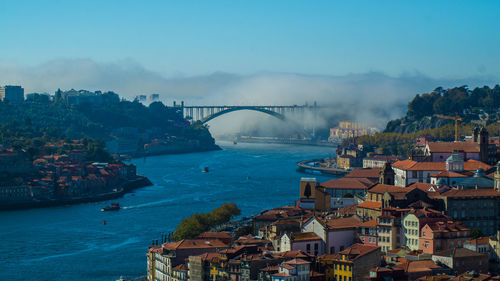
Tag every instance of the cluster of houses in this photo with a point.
(435, 218)
(58, 176)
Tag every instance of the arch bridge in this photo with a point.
(207, 113)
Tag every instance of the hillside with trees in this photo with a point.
(477, 107)
(198, 223)
(43, 120)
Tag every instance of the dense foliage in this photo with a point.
(424, 118)
(31, 124)
(199, 223)
(458, 100)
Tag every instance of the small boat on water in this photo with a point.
(205, 170)
(112, 207)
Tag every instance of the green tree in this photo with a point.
(476, 233)
(201, 222)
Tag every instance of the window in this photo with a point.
(308, 248)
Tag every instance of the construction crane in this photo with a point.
(457, 119)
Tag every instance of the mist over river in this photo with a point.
(72, 243)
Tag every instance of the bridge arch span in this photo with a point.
(232, 109)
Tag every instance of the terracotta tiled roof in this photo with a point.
(193, 244)
(448, 226)
(209, 256)
(479, 241)
(358, 250)
(289, 267)
(370, 223)
(180, 267)
(347, 183)
(296, 254)
(270, 268)
(458, 253)
(347, 211)
(297, 261)
(472, 165)
(420, 266)
(364, 173)
(329, 257)
(382, 188)
(410, 165)
(430, 189)
(469, 147)
(305, 236)
(448, 174)
(483, 192)
(404, 164)
(428, 213)
(370, 205)
(342, 223)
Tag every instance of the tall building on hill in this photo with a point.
(12, 94)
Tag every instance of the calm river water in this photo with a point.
(72, 243)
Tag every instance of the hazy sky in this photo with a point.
(439, 39)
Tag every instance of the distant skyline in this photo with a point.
(437, 39)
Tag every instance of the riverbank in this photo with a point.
(305, 166)
(128, 186)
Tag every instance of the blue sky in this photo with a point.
(440, 39)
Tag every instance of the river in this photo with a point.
(73, 243)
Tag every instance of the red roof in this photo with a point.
(370, 205)
(479, 241)
(450, 147)
(358, 250)
(383, 188)
(483, 192)
(193, 244)
(410, 165)
(364, 173)
(448, 226)
(347, 183)
(370, 223)
(297, 261)
(448, 174)
(305, 236)
(342, 223)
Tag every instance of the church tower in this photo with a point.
(483, 145)
(475, 134)
(386, 175)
